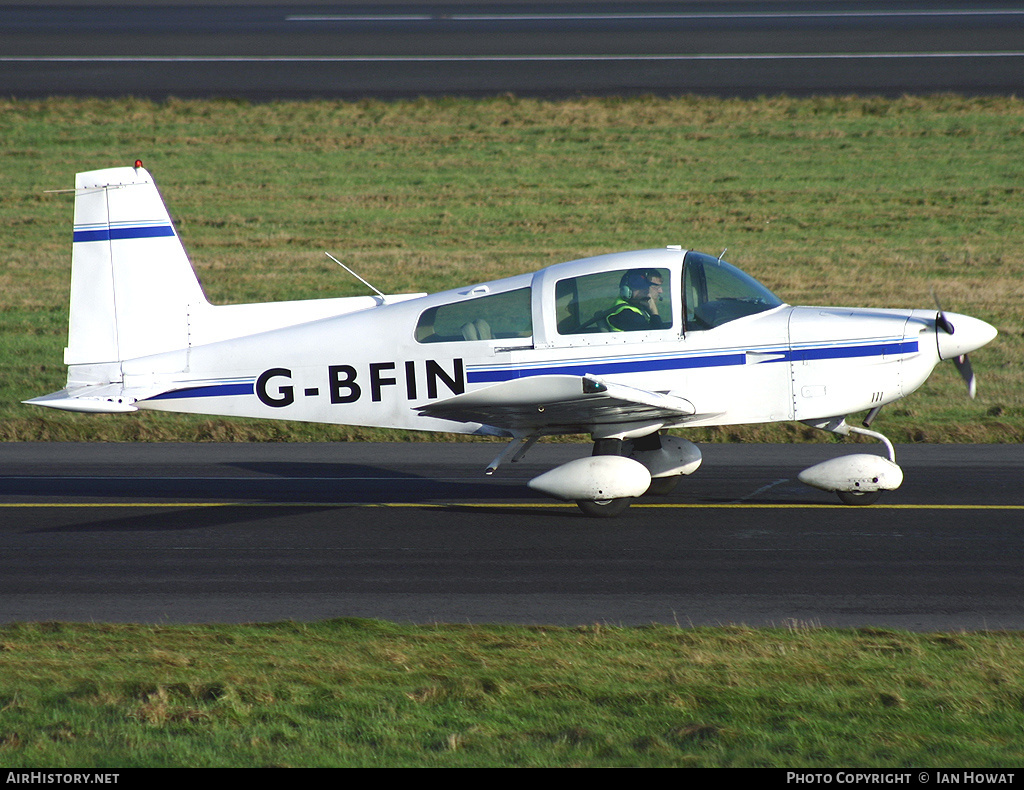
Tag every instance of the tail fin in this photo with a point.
(132, 285)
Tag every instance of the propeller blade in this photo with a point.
(963, 365)
(941, 321)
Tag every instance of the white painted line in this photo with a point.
(962, 13)
(760, 491)
(498, 58)
(174, 505)
(362, 18)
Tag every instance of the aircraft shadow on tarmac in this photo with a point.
(170, 517)
(278, 482)
(260, 491)
(278, 489)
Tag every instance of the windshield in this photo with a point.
(715, 292)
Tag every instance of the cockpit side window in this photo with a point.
(715, 292)
(613, 301)
(498, 316)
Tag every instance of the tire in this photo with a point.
(859, 498)
(603, 508)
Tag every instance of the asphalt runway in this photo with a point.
(416, 533)
(353, 50)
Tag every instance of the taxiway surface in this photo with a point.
(558, 48)
(415, 532)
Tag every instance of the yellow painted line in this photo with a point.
(119, 504)
(542, 505)
(734, 506)
(793, 506)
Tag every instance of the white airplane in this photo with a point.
(622, 347)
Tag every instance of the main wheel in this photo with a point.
(859, 497)
(603, 508)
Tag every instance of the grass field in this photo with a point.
(368, 693)
(842, 201)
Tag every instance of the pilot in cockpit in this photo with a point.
(636, 309)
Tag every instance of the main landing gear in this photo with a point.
(606, 508)
(620, 469)
(664, 458)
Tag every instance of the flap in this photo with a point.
(559, 404)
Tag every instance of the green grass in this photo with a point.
(369, 693)
(841, 200)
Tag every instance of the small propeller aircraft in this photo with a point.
(622, 347)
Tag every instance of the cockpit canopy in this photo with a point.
(712, 293)
(694, 292)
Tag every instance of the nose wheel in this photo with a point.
(858, 497)
(603, 508)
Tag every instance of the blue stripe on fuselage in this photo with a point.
(210, 391)
(490, 375)
(848, 352)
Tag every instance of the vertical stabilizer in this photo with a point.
(132, 285)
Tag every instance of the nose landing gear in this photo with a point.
(857, 479)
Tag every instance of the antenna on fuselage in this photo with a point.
(722, 254)
(383, 298)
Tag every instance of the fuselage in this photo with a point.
(727, 345)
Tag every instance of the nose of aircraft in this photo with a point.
(967, 335)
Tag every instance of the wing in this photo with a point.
(560, 404)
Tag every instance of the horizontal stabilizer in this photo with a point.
(93, 400)
(99, 398)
